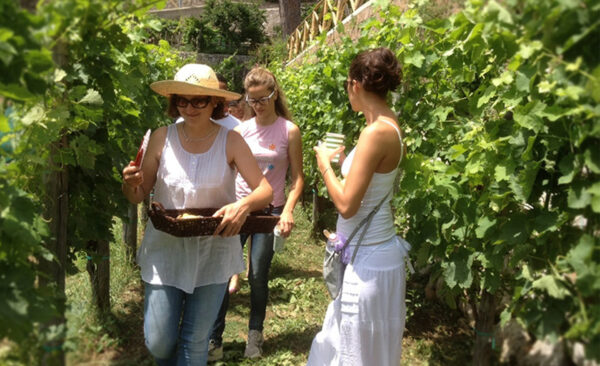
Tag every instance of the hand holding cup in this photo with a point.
(333, 141)
(325, 155)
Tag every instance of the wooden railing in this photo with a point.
(325, 16)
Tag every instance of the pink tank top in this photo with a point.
(269, 145)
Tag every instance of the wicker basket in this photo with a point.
(167, 221)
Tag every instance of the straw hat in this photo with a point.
(193, 79)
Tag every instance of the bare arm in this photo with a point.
(234, 214)
(286, 222)
(139, 181)
(370, 151)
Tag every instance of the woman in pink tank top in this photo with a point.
(276, 144)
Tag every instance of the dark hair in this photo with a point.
(218, 112)
(221, 78)
(377, 69)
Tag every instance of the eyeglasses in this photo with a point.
(197, 103)
(233, 103)
(346, 83)
(261, 101)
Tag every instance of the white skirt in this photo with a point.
(363, 326)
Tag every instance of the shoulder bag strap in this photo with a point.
(366, 221)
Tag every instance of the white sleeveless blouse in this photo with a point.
(382, 226)
(186, 180)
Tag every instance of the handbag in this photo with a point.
(333, 264)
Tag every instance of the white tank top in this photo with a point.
(382, 225)
(186, 180)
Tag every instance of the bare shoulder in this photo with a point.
(155, 147)
(379, 136)
(235, 140)
(234, 136)
(374, 131)
(293, 129)
(161, 131)
(291, 125)
(388, 127)
(158, 136)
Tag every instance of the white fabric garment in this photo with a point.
(186, 180)
(382, 225)
(229, 121)
(364, 325)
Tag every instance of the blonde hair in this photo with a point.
(259, 76)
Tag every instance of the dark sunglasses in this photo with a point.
(198, 103)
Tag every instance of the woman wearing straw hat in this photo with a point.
(191, 164)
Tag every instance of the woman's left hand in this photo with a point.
(234, 216)
(286, 224)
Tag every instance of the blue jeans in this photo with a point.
(177, 324)
(260, 262)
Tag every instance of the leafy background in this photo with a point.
(58, 86)
(500, 191)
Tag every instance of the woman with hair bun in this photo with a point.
(365, 322)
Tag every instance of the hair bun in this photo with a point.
(377, 69)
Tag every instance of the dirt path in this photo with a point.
(435, 335)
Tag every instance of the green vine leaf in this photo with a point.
(458, 271)
(578, 196)
(92, 97)
(415, 58)
(552, 286)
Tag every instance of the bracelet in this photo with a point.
(325, 172)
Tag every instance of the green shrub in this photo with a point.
(226, 27)
(500, 193)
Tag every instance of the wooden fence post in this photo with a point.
(98, 267)
(130, 233)
(315, 209)
(484, 330)
(57, 212)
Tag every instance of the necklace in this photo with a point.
(188, 139)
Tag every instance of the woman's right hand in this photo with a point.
(325, 155)
(133, 175)
(234, 215)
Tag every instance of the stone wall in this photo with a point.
(212, 59)
(193, 8)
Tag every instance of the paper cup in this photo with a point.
(278, 240)
(333, 141)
